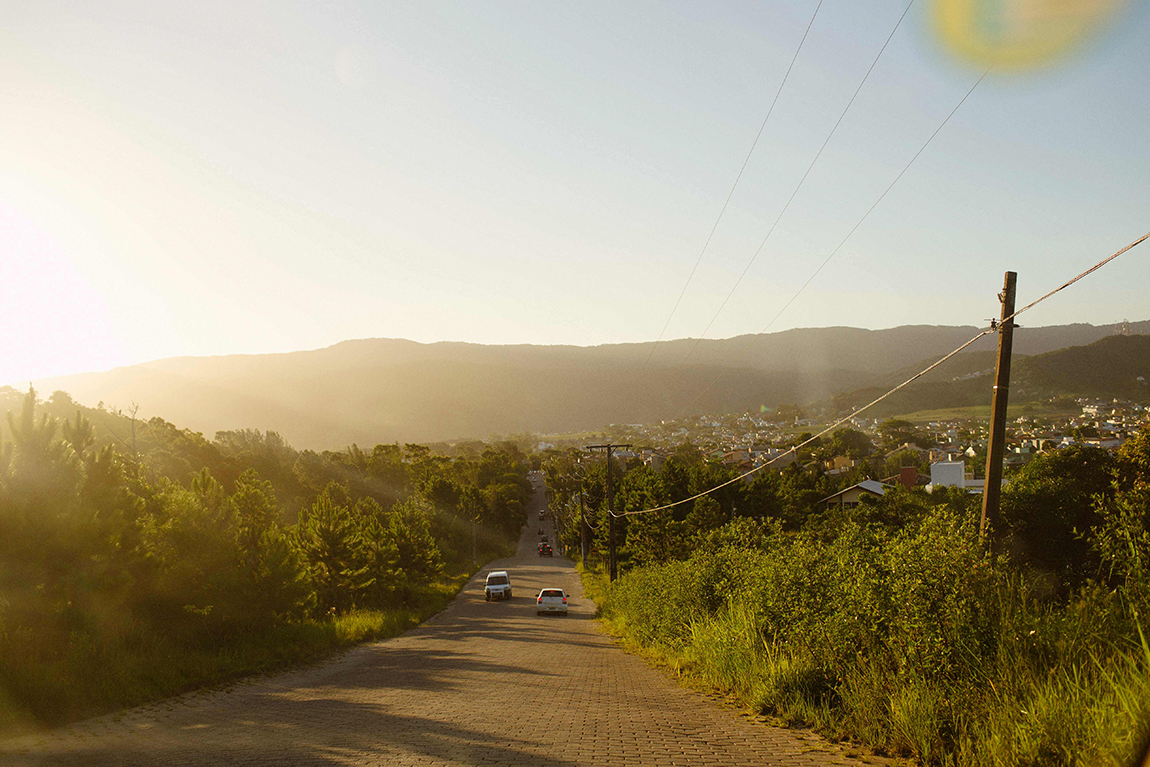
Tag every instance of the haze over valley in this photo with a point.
(389, 390)
(405, 358)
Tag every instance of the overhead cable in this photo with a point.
(738, 177)
(916, 376)
(806, 442)
(1073, 280)
(802, 180)
(583, 516)
(755, 338)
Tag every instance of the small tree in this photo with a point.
(329, 542)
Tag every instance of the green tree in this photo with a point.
(329, 542)
(706, 515)
(80, 434)
(652, 537)
(378, 552)
(1050, 506)
(191, 560)
(256, 511)
(896, 432)
(851, 443)
(418, 558)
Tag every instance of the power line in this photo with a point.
(726, 202)
(802, 180)
(571, 501)
(993, 328)
(825, 431)
(1073, 280)
(755, 338)
(875, 204)
(593, 527)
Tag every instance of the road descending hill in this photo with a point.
(481, 683)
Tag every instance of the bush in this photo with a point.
(914, 639)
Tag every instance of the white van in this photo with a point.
(498, 585)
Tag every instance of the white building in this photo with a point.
(953, 474)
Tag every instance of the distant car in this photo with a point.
(551, 601)
(498, 585)
(543, 539)
(545, 550)
(542, 531)
(542, 514)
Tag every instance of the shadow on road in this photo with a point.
(350, 732)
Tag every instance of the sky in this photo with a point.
(228, 177)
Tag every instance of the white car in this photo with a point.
(498, 585)
(551, 601)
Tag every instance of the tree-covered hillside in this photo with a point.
(1115, 366)
(138, 566)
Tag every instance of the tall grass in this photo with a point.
(915, 642)
(46, 686)
(595, 582)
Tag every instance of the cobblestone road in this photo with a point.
(479, 684)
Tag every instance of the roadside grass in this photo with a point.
(46, 687)
(894, 651)
(595, 583)
(1024, 715)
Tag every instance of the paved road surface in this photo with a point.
(479, 684)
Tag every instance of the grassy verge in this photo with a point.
(90, 677)
(912, 645)
(595, 583)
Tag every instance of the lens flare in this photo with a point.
(1020, 34)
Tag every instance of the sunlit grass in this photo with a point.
(85, 677)
(1051, 685)
(595, 583)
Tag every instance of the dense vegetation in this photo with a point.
(893, 622)
(138, 560)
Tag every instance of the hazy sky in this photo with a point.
(220, 177)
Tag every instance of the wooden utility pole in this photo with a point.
(612, 561)
(992, 488)
(135, 408)
(583, 527)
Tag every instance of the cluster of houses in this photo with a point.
(749, 441)
(942, 474)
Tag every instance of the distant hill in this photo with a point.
(384, 390)
(1115, 366)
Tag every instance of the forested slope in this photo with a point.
(136, 567)
(1115, 366)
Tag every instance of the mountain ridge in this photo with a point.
(383, 390)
